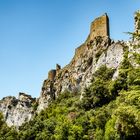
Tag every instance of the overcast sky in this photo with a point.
(37, 34)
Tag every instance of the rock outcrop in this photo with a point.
(17, 111)
(78, 74)
(97, 50)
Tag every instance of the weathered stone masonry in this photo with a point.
(100, 27)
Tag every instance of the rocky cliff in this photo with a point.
(96, 51)
(17, 111)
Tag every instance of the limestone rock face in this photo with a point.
(134, 53)
(137, 22)
(17, 111)
(78, 74)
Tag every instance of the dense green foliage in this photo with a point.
(98, 93)
(7, 133)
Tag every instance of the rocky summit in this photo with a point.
(98, 49)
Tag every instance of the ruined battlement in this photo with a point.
(52, 73)
(99, 27)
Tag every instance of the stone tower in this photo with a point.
(137, 22)
(51, 75)
(100, 27)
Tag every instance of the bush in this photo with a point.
(98, 94)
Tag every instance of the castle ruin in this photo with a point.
(100, 27)
(51, 75)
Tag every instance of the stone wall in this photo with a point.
(100, 27)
